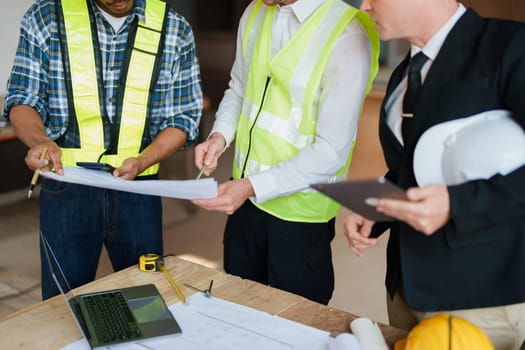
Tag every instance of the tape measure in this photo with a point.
(153, 262)
(150, 263)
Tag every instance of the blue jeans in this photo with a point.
(77, 220)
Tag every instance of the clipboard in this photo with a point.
(96, 166)
(361, 196)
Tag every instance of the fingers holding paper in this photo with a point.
(426, 210)
(129, 169)
(231, 195)
(357, 230)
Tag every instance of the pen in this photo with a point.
(172, 282)
(201, 172)
(207, 292)
(36, 174)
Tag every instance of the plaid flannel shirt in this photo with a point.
(37, 77)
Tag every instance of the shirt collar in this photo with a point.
(304, 8)
(433, 46)
(138, 10)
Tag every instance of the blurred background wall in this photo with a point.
(215, 27)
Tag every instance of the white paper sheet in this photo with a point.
(345, 341)
(184, 189)
(216, 324)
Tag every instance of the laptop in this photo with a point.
(114, 316)
(361, 196)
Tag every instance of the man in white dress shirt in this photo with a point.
(301, 72)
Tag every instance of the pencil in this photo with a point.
(201, 172)
(172, 282)
(34, 179)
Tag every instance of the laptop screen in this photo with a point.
(54, 267)
(62, 284)
(139, 307)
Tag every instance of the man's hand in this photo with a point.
(231, 195)
(52, 161)
(357, 230)
(208, 153)
(28, 127)
(426, 210)
(129, 169)
(164, 144)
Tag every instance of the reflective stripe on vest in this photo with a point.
(84, 85)
(278, 117)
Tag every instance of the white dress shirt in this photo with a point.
(394, 105)
(342, 91)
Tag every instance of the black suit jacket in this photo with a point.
(478, 258)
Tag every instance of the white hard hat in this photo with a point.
(474, 147)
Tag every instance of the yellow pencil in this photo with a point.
(201, 172)
(172, 282)
(36, 174)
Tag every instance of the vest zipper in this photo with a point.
(268, 79)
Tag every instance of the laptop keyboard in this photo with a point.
(111, 317)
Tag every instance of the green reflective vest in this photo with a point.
(278, 117)
(85, 85)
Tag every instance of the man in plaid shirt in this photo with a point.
(113, 81)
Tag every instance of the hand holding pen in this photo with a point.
(36, 174)
(207, 154)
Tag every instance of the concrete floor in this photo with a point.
(196, 235)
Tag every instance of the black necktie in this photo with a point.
(413, 86)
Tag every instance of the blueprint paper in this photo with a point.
(184, 189)
(216, 324)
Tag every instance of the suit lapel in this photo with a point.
(397, 76)
(393, 82)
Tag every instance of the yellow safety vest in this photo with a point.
(278, 117)
(85, 85)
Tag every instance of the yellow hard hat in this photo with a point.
(444, 332)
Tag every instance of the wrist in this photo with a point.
(248, 188)
(218, 138)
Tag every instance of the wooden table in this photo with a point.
(49, 325)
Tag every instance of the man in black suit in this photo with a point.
(457, 247)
